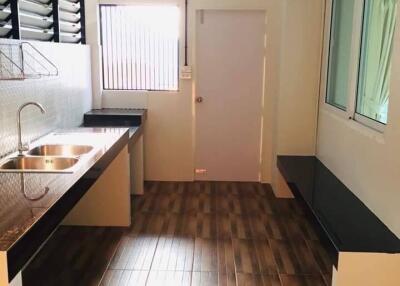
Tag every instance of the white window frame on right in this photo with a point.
(350, 110)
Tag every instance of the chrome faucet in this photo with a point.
(21, 147)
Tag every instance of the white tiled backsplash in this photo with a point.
(65, 97)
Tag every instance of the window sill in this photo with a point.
(353, 124)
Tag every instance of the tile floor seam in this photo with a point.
(151, 264)
(215, 203)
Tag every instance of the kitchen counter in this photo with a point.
(134, 119)
(118, 112)
(115, 117)
(134, 133)
(32, 205)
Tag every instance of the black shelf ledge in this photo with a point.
(115, 117)
(344, 222)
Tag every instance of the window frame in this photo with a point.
(100, 35)
(356, 46)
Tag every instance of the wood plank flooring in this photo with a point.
(202, 233)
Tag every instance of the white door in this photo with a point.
(229, 72)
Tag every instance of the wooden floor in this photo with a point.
(191, 234)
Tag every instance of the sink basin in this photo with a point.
(60, 150)
(38, 164)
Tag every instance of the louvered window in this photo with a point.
(140, 47)
(43, 20)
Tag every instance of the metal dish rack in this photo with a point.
(19, 61)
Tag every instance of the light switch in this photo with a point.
(186, 72)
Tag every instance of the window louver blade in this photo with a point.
(44, 20)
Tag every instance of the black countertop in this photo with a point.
(118, 112)
(350, 225)
(113, 117)
(133, 119)
(32, 205)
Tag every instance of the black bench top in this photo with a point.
(115, 117)
(348, 223)
(117, 112)
(134, 119)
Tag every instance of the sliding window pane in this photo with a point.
(375, 62)
(340, 53)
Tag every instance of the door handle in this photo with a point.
(199, 99)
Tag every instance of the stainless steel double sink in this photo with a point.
(46, 158)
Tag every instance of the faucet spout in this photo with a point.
(22, 147)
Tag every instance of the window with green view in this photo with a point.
(340, 52)
(375, 61)
(370, 57)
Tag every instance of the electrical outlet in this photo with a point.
(200, 171)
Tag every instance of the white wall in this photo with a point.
(366, 161)
(296, 106)
(66, 97)
(300, 74)
(168, 134)
(292, 53)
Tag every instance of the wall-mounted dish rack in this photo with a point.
(44, 20)
(19, 61)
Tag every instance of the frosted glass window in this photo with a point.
(375, 62)
(140, 47)
(339, 53)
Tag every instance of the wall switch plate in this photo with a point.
(200, 171)
(186, 72)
